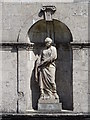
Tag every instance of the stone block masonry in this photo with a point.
(18, 56)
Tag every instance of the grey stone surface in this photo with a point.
(0, 22)
(40, 1)
(72, 75)
(81, 0)
(49, 106)
(9, 81)
(23, 79)
(47, 115)
(89, 79)
(89, 21)
(80, 79)
(60, 1)
(0, 80)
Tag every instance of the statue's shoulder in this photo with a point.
(53, 47)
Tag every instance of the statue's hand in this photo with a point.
(41, 64)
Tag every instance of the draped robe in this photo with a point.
(46, 70)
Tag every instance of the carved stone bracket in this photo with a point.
(47, 11)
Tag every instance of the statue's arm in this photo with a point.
(50, 59)
(43, 63)
(53, 55)
(37, 62)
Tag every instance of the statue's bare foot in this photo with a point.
(47, 97)
(42, 96)
(56, 96)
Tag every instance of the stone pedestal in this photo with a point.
(49, 105)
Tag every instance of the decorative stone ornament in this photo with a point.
(48, 11)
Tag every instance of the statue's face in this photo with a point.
(48, 44)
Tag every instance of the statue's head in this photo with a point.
(48, 42)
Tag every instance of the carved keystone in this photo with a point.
(47, 12)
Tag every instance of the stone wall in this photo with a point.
(18, 63)
(9, 81)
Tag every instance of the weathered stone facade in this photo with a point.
(21, 25)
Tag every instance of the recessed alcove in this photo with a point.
(62, 37)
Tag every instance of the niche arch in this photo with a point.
(62, 33)
(62, 37)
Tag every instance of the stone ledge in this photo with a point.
(46, 113)
(44, 116)
(22, 44)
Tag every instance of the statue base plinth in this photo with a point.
(49, 105)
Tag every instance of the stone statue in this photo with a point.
(45, 71)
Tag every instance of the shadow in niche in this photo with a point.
(64, 79)
(35, 91)
(34, 85)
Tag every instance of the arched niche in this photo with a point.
(38, 32)
(62, 37)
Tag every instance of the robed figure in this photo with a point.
(45, 68)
